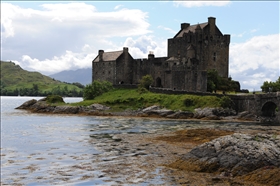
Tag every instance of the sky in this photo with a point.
(53, 36)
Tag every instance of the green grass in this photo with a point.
(121, 99)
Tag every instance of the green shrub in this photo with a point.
(188, 102)
(97, 88)
(54, 99)
(226, 102)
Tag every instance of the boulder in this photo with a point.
(66, 110)
(181, 115)
(148, 109)
(163, 112)
(156, 111)
(223, 112)
(213, 113)
(97, 106)
(237, 154)
(204, 113)
(246, 115)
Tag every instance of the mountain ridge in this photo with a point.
(82, 76)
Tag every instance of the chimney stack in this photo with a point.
(184, 25)
(100, 54)
(151, 55)
(125, 49)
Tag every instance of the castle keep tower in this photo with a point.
(191, 52)
(210, 47)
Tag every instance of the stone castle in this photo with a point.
(191, 52)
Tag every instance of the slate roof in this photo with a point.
(109, 56)
(190, 28)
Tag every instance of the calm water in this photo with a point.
(41, 149)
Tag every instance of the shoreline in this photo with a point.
(154, 112)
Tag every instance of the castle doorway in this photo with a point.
(158, 82)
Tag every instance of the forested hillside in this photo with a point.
(16, 81)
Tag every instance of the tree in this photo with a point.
(78, 85)
(146, 82)
(96, 89)
(216, 82)
(271, 86)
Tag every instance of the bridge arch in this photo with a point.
(269, 109)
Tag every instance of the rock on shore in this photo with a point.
(233, 155)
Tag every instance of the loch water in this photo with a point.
(46, 149)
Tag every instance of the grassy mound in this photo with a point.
(54, 99)
(121, 99)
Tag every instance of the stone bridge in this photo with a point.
(264, 105)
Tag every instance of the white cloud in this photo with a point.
(140, 47)
(255, 61)
(69, 60)
(44, 40)
(198, 3)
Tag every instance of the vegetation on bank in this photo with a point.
(132, 99)
(102, 92)
(16, 81)
(271, 86)
(217, 83)
(95, 89)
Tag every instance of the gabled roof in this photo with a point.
(191, 28)
(109, 56)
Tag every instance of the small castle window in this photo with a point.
(109, 72)
(214, 56)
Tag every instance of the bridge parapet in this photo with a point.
(258, 104)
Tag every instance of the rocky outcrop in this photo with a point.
(27, 104)
(236, 154)
(214, 113)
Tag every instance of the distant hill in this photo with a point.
(82, 76)
(17, 81)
